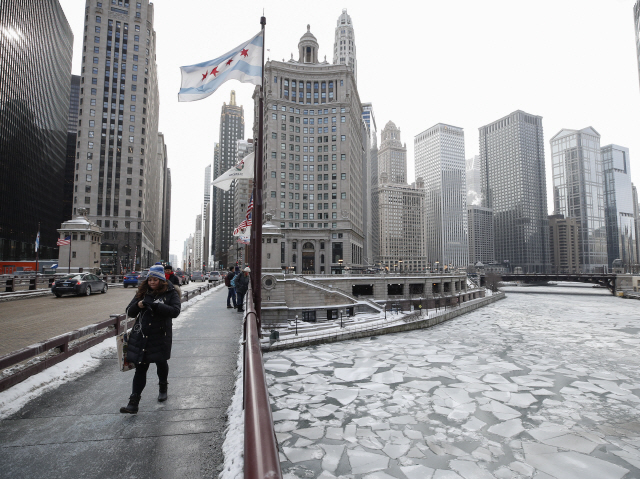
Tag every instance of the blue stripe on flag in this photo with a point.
(257, 40)
(250, 70)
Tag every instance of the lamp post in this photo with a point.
(341, 319)
(437, 267)
(400, 265)
(340, 262)
(296, 324)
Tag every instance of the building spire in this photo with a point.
(344, 46)
(233, 98)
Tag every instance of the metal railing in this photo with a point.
(261, 458)
(52, 351)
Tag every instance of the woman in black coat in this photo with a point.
(155, 304)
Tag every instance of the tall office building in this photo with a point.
(196, 259)
(514, 187)
(214, 201)
(120, 159)
(636, 21)
(313, 166)
(166, 218)
(399, 223)
(34, 111)
(369, 158)
(72, 136)
(564, 244)
(231, 130)
(480, 235)
(440, 162)
(578, 192)
(618, 207)
(344, 45)
(206, 217)
(474, 181)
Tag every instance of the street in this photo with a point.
(28, 321)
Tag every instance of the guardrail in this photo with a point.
(62, 347)
(261, 458)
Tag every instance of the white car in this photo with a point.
(214, 276)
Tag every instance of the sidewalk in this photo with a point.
(77, 430)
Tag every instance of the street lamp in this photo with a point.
(340, 263)
(296, 324)
(341, 319)
(400, 265)
(437, 267)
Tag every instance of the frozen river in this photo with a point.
(543, 384)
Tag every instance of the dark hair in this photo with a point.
(168, 266)
(230, 268)
(144, 288)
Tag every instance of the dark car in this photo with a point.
(79, 284)
(131, 279)
(184, 279)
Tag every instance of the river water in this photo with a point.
(544, 384)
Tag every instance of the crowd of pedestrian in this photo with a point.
(237, 283)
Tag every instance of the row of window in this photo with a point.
(310, 177)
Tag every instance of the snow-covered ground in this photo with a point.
(543, 385)
(77, 365)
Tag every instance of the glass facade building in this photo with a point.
(514, 187)
(618, 207)
(72, 137)
(440, 162)
(35, 71)
(578, 192)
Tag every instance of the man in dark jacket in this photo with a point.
(232, 291)
(242, 285)
(168, 273)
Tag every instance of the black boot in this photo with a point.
(132, 407)
(163, 392)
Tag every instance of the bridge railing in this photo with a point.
(261, 458)
(41, 356)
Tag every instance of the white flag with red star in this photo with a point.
(243, 63)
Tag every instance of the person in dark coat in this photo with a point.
(155, 304)
(242, 285)
(170, 276)
(231, 295)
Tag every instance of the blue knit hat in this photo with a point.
(157, 271)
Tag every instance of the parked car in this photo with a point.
(79, 284)
(131, 279)
(214, 276)
(184, 279)
(197, 276)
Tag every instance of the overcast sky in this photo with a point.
(461, 62)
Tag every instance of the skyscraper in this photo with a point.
(214, 201)
(35, 76)
(231, 130)
(480, 235)
(72, 136)
(578, 192)
(399, 223)
(121, 160)
(474, 181)
(344, 45)
(440, 162)
(313, 168)
(514, 187)
(206, 216)
(368, 164)
(618, 207)
(564, 243)
(636, 20)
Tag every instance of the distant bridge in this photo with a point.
(606, 280)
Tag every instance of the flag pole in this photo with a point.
(256, 230)
(37, 249)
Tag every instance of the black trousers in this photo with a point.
(140, 377)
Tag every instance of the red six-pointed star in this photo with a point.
(230, 60)
(244, 52)
(215, 71)
(204, 76)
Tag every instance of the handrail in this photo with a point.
(62, 341)
(261, 457)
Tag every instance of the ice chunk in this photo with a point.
(295, 454)
(422, 385)
(363, 462)
(388, 377)
(521, 400)
(508, 428)
(311, 432)
(403, 420)
(474, 424)
(443, 474)
(440, 358)
(573, 465)
(285, 414)
(278, 365)
(494, 379)
(353, 374)
(571, 442)
(502, 396)
(470, 470)
(394, 451)
(334, 433)
(332, 455)
(344, 396)
(417, 472)
(324, 411)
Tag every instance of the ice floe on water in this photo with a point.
(535, 386)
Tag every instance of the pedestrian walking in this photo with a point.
(232, 291)
(155, 305)
(242, 285)
(170, 276)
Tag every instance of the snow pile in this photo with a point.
(233, 446)
(13, 399)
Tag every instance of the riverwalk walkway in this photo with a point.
(76, 429)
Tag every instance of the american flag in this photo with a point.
(247, 221)
(65, 241)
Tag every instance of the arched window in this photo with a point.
(308, 245)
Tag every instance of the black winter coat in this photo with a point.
(152, 341)
(242, 283)
(174, 279)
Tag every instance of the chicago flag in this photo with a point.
(243, 63)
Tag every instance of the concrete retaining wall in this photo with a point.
(394, 328)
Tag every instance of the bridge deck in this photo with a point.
(76, 430)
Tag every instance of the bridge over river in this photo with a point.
(608, 280)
